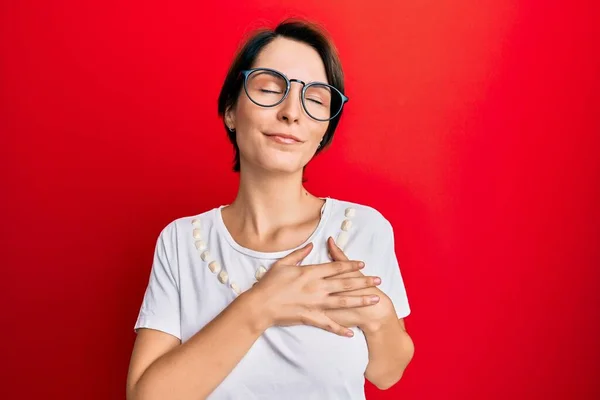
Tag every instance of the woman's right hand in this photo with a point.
(291, 294)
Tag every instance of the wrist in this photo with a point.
(380, 325)
(385, 317)
(255, 311)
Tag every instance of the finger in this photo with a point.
(324, 322)
(354, 274)
(296, 256)
(336, 253)
(335, 268)
(337, 285)
(335, 302)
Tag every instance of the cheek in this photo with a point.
(318, 130)
(249, 116)
(250, 122)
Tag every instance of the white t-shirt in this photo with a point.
(292, 363)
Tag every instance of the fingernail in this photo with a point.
(361, 264)
(349, 333)
(377, 281)
(374, 299)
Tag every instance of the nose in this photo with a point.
(291, 108)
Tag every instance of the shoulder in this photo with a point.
(361, 215)
(184, 226)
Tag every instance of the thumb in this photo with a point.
(296, 256)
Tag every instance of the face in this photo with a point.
(257, 128)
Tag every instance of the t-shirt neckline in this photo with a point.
(222, 229)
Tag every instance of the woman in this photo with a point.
(255, 300)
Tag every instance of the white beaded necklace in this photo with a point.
(215, 267)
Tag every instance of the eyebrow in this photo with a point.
(293, 79)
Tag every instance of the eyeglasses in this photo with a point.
(267, 88)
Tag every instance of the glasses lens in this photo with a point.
(322, 102)
(266, 88)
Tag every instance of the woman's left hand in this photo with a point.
(366, 318)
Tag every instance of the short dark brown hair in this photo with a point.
(298, 30)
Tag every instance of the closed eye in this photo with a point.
(269, 91)
(315, 101)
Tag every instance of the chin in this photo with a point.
(277, 160)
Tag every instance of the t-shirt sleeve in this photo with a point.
(160, 308)
(392, 283)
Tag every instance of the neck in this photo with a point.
(267, 201)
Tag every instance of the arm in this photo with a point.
(390, 347)
(161, 368)
(390, 351)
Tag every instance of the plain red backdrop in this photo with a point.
(472, 125)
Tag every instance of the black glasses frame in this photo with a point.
(246, 73)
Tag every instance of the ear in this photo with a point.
(230, 118)
(320, 145)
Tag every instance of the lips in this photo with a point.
(283, 138)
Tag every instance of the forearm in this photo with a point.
(390, 351)
(194, 369)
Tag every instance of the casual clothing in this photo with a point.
(292, 363)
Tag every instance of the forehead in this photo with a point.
(295, 59)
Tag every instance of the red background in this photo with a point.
(473, 126)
